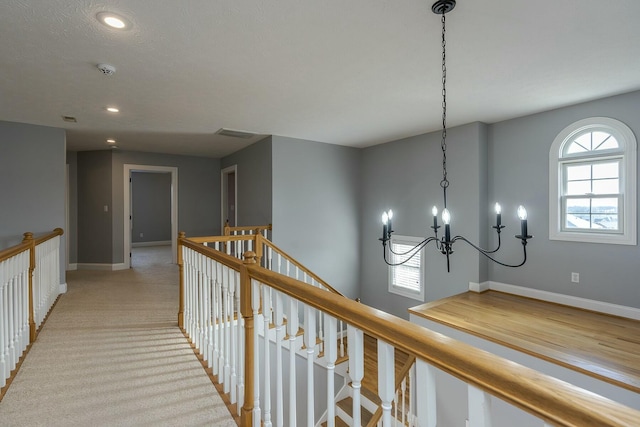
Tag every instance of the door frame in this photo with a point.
(224, 208)
(128, 168)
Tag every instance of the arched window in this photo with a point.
(592, 183)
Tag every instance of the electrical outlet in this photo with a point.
(141, 234)
(575, 277)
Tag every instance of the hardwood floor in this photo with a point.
(599, 345)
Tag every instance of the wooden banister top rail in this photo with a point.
(552, 400)
(211, 239)
(251, 228)
(14, 250)
(301, 267)
(25, 245)
(228, 260)
(49, 236)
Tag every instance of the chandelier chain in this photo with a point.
(443, 145)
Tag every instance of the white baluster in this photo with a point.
(266, 315)
(211, 317)
(403, 394)
(227, 327)
(11, 299)
(237, 357)
(292, 330)
(356, 368)
(278, 311)
(4, 372)
(426, 410)
(198, 304)
(310, 343)
(386, 380)
(412, 396)
(218, 347)
(233, 355)
(479, 407)
(255, 306)
(330, 354)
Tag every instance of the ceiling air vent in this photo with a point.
(70, 119)
(235, 133)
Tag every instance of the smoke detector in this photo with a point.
(106, 69)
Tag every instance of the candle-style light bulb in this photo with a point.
(434, 211)
(498, 208)
(522, 214)
(385, 219)
(498, 216)
(446, 217)
(390, 215)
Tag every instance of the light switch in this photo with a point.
(106, 208)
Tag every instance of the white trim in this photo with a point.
(128, 168)
(629, 214)
(224, 173)
(583, 303)
(405, 292)
(143, 244)
(103, 267)
(63, 288)
(479, 287)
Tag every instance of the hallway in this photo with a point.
(111, 354)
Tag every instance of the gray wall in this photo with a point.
(32, 183)
(95, 237)
(316, 203)
(151, 207)
(253, 177)
(519, 170)
(198, 193)
(405, 176)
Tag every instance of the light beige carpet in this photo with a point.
(111, 354)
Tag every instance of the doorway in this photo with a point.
(229, 194)
(128, 216)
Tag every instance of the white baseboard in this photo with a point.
(72, 267)
(63, 288)
(479, 287)
(142, 244)
(105, 267)
(583, 303)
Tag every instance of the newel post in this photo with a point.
(28, 238)
(181, 235)
(246, 416)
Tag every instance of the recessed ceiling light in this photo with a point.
(113, 110)
(111, 141)
(113, 20)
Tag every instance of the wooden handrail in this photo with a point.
(552, 400)
(44, 238)
(257, 228)
(5, 254)
(301, 267)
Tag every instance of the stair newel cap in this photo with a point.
(182, 235)
(249, 257)
(28, 236)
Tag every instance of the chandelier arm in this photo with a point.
(524, 250)
(478, 248)
(416, 249)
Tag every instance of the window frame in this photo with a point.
(627, 235)
(398, 290)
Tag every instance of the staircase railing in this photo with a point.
(29, 286)
(252, 364)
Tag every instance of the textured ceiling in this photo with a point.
(357, 72)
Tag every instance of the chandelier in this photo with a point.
(445, 243)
